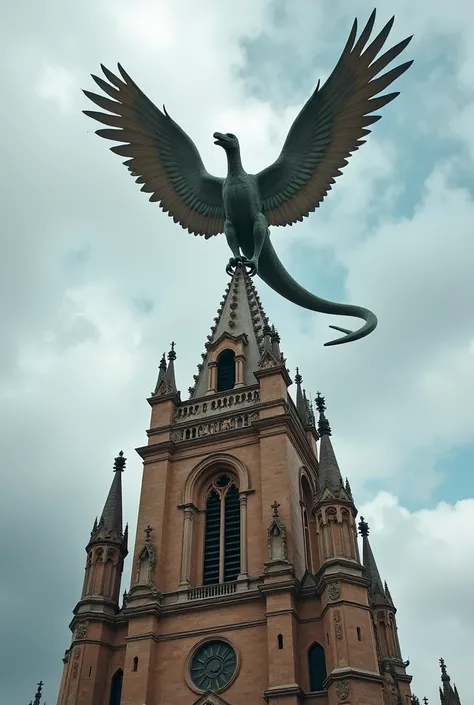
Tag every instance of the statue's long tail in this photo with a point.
(273, 273)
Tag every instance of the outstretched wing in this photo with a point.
(160, 154)
(330, 127)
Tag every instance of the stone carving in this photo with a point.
(212, 427)
(337, 624)
(334, 591)
(81, 630)
(277, 541)
(342, 689)
(390, 688)
(146, 560)
(75, 665)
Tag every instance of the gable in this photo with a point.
(210, 698)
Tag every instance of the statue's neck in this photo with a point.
(234, 163)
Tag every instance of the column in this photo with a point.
(243, 536)
(186, 546)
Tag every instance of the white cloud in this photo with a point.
(56, 83)
(425, 557)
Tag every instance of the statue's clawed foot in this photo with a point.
(232, 264)
(251, 265)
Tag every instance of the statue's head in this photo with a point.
(229, 142)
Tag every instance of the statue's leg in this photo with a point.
(233, 243)
(260, 233)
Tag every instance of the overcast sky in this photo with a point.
(95, 283)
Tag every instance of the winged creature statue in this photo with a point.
(331, 126)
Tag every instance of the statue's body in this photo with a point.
(243, 206)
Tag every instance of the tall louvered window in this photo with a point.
(222, 535)
(226, 370)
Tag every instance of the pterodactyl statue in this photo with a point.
(327, 130)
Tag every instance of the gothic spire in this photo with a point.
(376, 587)
(301, 401)
(166, 383)
(329, 474)
(448, 695)
(170, 376)
(240, 316)
(161, 373)
(111, 518)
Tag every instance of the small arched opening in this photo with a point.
(317, 667)
(280, 641)
(116, 688)
(226, 370)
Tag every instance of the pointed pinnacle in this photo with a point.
(298, 377)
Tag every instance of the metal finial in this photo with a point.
(425, 701)
(172, 353)
(298, 377)
(275, 507)
(320, 403)
(324, 429)
(363, 527)
(119, 462)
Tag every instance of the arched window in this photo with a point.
(317, 667)
(135, 663)
(226, 370)
(116, 687)
(222, 535)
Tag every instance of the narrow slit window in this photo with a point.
(135, 663)
(358, 634)
(280, 641)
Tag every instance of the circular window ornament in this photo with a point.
(213, 666)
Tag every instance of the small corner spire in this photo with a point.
(330, 475)
(448, 695)
(376, 587)
(166, 383)
(301, 401)
(38, 693)
(111, 517)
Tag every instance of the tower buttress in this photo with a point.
(383, 615)
(88, 661)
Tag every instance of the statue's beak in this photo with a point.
(219, 139)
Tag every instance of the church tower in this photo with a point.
(247, 584)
